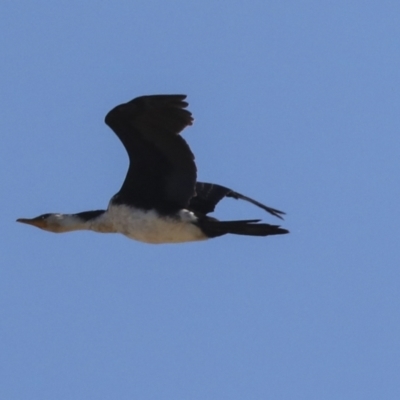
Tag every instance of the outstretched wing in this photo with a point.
(208, 195)
(162, 172)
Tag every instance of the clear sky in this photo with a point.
(296, 104)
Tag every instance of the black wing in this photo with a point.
(162, 172)
(208, 195)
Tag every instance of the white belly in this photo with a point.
(149, 227)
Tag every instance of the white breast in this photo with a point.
(149, 227)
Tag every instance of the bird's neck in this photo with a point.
(88, 220)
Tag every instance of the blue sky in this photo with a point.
(296, 104)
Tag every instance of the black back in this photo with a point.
(162, 172)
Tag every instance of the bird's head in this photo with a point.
(48, 222)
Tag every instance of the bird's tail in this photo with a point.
(252, 227)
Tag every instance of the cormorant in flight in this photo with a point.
(160, 200)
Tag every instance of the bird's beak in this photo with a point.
(32, 221)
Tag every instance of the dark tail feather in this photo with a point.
(213, 228)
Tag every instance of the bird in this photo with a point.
(160, 200)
